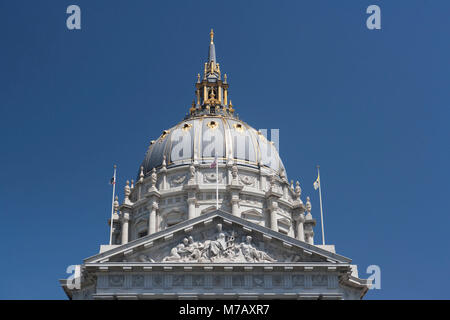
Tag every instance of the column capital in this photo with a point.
(298, 216)
(125, 216)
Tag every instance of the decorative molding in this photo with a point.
(177, 180)
(211, 177)
(247, 180)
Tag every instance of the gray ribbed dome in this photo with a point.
(198, 139)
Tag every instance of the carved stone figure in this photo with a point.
(218, 246)
(222, 249)
(283, 173)
(252, 254)
(234, 171)
(308, 205)
(298, 190)
(192, 172)
(194, 248)
(154, 178)
(174, 255)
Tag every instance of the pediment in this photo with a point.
(252, 213)
(217, 237)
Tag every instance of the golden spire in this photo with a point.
(211, 34)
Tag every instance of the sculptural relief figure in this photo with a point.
(218, 246)
(221, 249)
(174, 256)
(183, 250)
(194, 248)
(252, 254)
(177, 180)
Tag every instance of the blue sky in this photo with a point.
(371, 107)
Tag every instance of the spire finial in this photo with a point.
(211, 34)
(298, 190)
(141, 175)
(308, 205)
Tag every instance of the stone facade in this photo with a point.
(172, 237)
(217, 256)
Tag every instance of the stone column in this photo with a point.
(153, 197)
(300, 230)
(309, 236)
(191, 212)
(234, 190)
(272, 196)
(125, 221)
(164, 176)
(262, 180)
(235, 205)
(273, 216)
(191, 188)
(285, 191)
(152, 218)
(291, 230)
(309, 225)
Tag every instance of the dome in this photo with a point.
(199, 139)
(177, 181)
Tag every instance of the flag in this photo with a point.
(214, 164)
(317, 182)
(113, 181)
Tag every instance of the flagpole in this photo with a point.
(112, 205)
(321, 210)
(217, 183)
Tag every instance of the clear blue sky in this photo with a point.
(371, 107)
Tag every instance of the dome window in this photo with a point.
(164, 134)
(238, 127)
(187, 126)
(213, 124)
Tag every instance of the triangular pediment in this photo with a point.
(217, 237)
